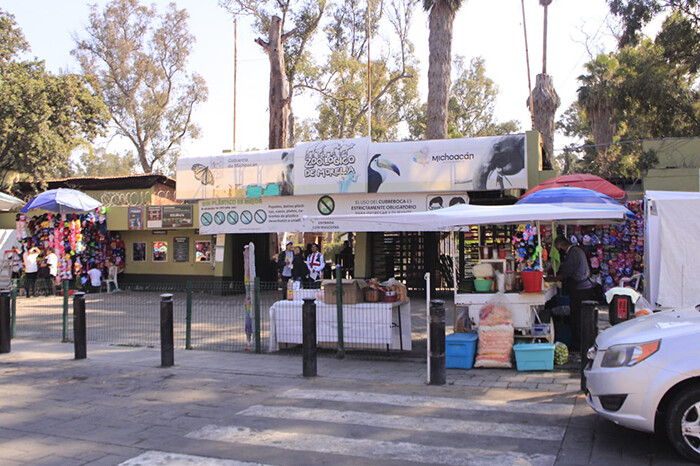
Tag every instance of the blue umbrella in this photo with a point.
(62, 201)
(578, 197)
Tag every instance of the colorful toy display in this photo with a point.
(80, 241)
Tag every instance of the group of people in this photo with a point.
(44, 266)
(293, 264)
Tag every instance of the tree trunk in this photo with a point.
(545, 102)
(439, 68)
(279, 102)
(147, 168)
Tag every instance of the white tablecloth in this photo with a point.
(365, 325)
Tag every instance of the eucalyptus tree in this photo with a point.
(286, 28)
(441, 18)
(139, 58)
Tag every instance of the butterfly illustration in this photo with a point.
(204, 175)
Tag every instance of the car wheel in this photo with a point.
(683, 423)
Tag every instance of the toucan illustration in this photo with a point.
(376, 172)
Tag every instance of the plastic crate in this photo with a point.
(460, 349)
(534, 356)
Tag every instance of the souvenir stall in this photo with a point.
(506, 314)
(80, 241)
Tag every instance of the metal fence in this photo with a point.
(218, 316)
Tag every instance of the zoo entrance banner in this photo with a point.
(358, 166)
(287, 214)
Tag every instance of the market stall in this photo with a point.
(374, 325)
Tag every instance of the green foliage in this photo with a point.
(471, 105)
(139, 58)
(634, 14)
(331, 249)
(99, 162)
(341, 82)
(43, 117)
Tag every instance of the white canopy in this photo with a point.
(465, 215)
(672, 248)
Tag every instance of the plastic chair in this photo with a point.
(112, 278)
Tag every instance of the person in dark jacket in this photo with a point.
(574, 274)
(299, 270)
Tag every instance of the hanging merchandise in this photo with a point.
(80, 241)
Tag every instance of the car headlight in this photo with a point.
(629, 355)
(590, 354)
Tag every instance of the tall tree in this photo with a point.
(288, 26)
(442, 15)
(43, 117)
(471, 108)
(635, 14)
(140, 60)
(99, 162)
(341, 82)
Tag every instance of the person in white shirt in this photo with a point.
(315, 263)
(52, 262)
(31, 267)
(95, 275)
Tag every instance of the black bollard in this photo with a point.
(308, 326)
(438, 374)
(5, 322)
(167, 346)
(589, 332)
(79, 326)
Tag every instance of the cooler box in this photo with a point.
(534, 356)
(460, 349)
(621, 308)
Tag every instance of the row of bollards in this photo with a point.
(167, 347)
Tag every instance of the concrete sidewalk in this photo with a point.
(215, 408)
(285, 365)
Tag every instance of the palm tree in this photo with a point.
(442, 15)
(544, 99)
(597, 96)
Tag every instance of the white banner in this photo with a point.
(476, 164)
(358, 166)
(331, 166)
(287, 214)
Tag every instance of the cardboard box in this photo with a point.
(352, 291)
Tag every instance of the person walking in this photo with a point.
(284, 264)
(31, 268)
(574, 273)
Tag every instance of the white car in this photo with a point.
(645, 375)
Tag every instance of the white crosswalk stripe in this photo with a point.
(367, 448)
(432, 402)
(161, 458)
(419, 423)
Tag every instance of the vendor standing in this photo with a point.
(575, 276)
(31, 269)
(315, 263)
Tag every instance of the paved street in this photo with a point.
(119, 407)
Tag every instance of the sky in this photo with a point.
(492, 29)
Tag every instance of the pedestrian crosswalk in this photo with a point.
(376, 427)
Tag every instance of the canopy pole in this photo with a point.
(539, 244)
(427, 324)
(454, 263)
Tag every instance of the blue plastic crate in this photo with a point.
(460, 349)
(534, 356)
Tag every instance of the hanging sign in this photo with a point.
(288, 214)
(177, 216)
(154, 217)
(135, 215)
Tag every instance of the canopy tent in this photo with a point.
(8, 202)
(568, 196)
(591, 182)
(464, 215)
(672, 248)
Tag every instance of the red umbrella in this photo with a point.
(591, 182)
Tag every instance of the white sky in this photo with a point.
(488, 28)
